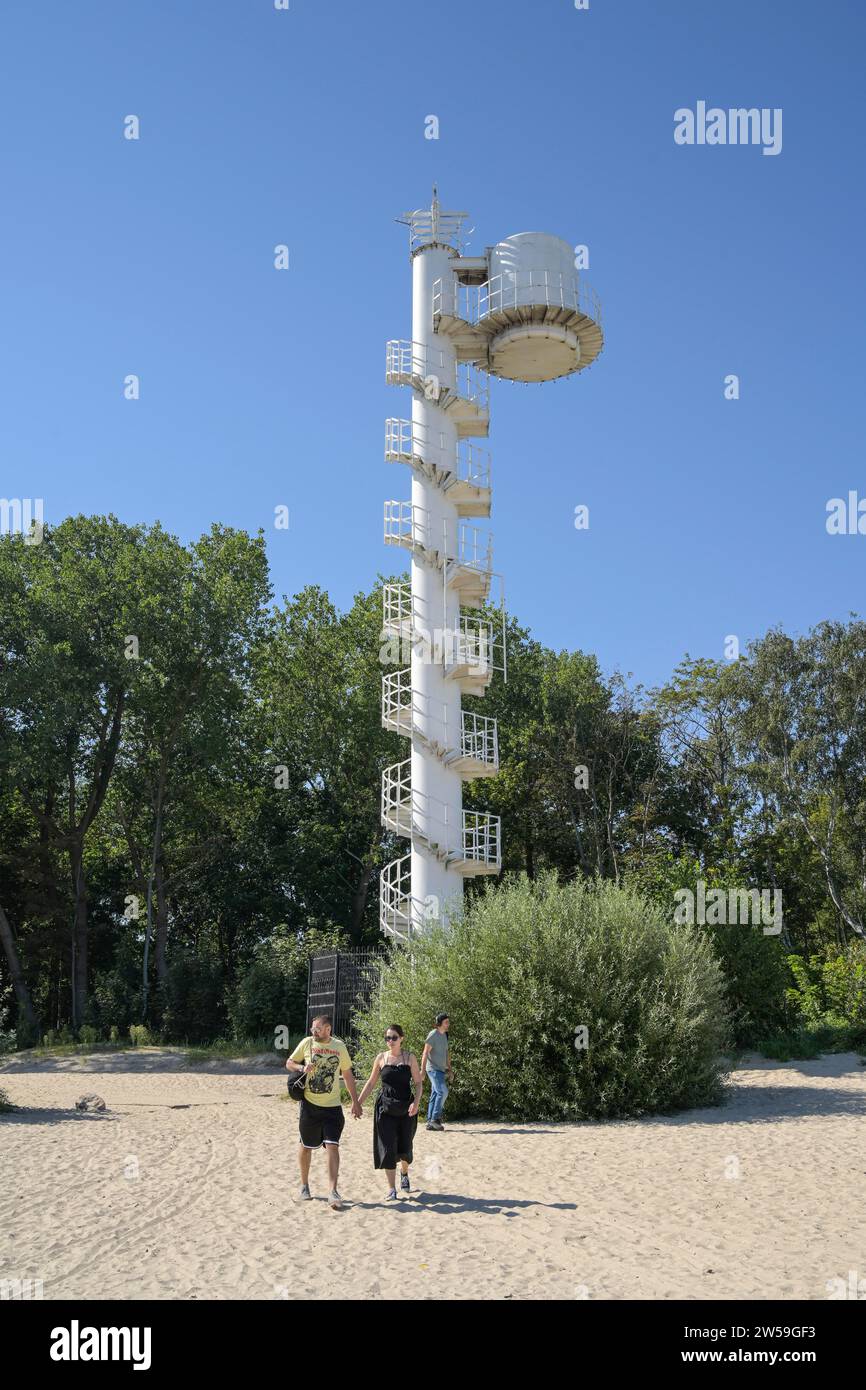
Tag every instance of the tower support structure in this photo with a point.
(471, 318)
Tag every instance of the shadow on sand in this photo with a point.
(451, 1203)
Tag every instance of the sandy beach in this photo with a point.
(183, 1188)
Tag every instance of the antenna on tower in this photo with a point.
(433, 227)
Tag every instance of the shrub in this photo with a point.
(140, 1035)
(58, 1037)
(192, 1002)
(525, 967)
(265, 998)
(5, 1103)
(755, 979)
(88, 1035)
(753, 965)
(272, 992)
(116, 994)
(829, 989)
(113, 1035)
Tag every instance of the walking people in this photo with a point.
(395, 1115)
(436, 1059)
(325, 1059)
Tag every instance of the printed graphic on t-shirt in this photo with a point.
(321, 1080)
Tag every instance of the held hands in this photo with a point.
(357, 1109)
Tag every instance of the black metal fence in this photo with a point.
(338, 984)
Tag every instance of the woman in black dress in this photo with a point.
(395, 1116)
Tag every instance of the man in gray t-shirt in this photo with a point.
(436, 1061)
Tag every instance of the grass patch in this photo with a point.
(223, 1049)
(77, 1049)
(807, 1044)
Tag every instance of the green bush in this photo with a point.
(265, 998)
(756, 976)
(5, 1103)
(114, 1035)
(140, 1035)
(829, 989)
(192, 1002)
(530, 963)
(809, 1042)
(754, 968)
(88, 1035)
(272, 992)
(116, 993)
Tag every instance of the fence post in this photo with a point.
(337, 1020)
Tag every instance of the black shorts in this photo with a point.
(320, 1124)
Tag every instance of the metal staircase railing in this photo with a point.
(408, 525)
(411, 364)
(482, 839)
(407, 441)
(479, 738)
(412, 713)
(424, 818)
(407, 711)
(477, 643)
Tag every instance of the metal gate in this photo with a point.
(339, 983)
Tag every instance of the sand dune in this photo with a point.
(184, 1188)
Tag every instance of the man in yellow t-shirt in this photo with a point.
(325, 1059)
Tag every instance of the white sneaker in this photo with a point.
(305, 1195)
(335, 1201)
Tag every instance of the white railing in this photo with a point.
(397, 699)
(473, 464)
(397, 797)
(406, 360)
(473, 385)
(406, 710)
(478, 644)
(512, 290)
(406, 524)
(397, 608)
(406, 440)
(399, 915)
(516, 289)
(406, 815)
(471, 646)
(474, 547)
(408, 812)
(482, 838)
(479, 738)
(450, 298)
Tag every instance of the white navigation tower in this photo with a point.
(521, 312)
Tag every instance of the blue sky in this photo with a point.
(260, 388)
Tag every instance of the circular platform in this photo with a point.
(534, 352)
